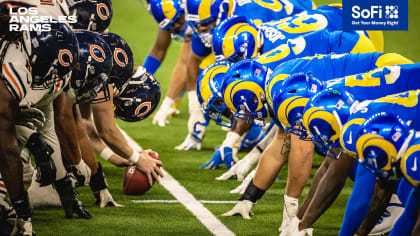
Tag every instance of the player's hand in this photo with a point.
(189, 143)
(241, 168)
(149, 166)
(30, 117)
(293, 229)
(221, 156)
(82, 172)
(242, 208)
(163, 114)
(242, 187)
(105, 199)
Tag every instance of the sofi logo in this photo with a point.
(375, 14)
(391, 12)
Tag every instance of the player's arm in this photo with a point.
(101, 148)
(326, 191)
(66, 130)
(103, 116)
(380, 199)
(193, 70)
(158, 51)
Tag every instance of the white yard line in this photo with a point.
(207, 218)
(176, 201)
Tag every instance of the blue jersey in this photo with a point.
(379, 82)
(319, 42)
(405, 104)
(281, 30)
(275, 33)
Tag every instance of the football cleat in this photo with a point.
(389, 217)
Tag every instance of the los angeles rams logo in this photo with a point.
(103, 11)
(118, 51)
(97, 53)
(65, 57)
(146, 105)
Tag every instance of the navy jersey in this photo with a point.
(405, 104)
(319, 42)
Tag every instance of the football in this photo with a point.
(135, 181)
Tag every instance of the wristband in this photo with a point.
(151, 64)
(106, 153)
(134, 158)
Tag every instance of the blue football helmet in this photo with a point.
(324, 116)
(139, 99)
(410, 161)
(207, 14)
(170, 15)
(123, 61)
(92, 73)
(381, 140)
(209, 86)
(92, 15)
(243, 90)
(235, 39)
(54, 54)
(288, 95)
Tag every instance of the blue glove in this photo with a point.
(221, 156)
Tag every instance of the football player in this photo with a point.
(343, 91)
(170, 15)
(273, 93)
(309, 44)
(203, 23)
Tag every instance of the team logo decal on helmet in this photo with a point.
(94, 53)
(119, 51)
(103, 11)
(143, 109)
(62, 60)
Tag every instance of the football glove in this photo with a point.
(82, 172)
(30, 117)
(43, 163)
(105, 199)
(166, 109)
(43, 196)
(242, 187)
(293, 229)
(189, 143)
(23, 227)
(221, 156)
(242, 208)
(242, 167)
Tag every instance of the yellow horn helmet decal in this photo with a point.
(403, 165)
(377, 141)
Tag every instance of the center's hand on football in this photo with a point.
(149, 166)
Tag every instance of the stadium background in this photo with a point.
(133, 23)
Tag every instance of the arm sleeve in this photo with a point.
(359, 201)
(151, 64)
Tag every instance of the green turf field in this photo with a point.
(133, 23)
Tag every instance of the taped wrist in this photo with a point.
(98, 181)
(252, 193)
(231, 139)
(21, 206)
(39, 148)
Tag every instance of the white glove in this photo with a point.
(30, 117)
(242, 167)
(293, 229)
(242, 187)
(290, 209)
(165, 110)
(106, 199)
(83, 170)
(242, 208)
(196, 122)
(189, 143)
(22, 227)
